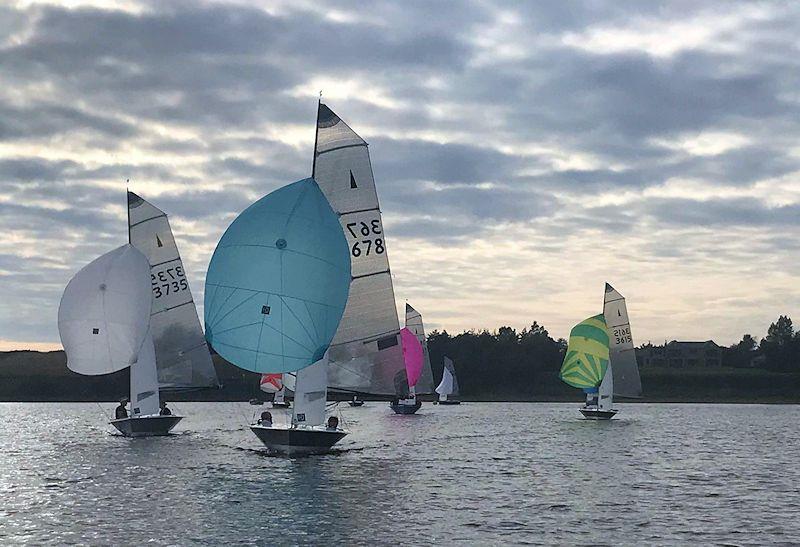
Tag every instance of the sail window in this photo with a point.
(384, 343)
(95, 331)
(265, 310)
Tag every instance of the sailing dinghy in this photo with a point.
(104, 324)
(448, 387)
(601, 358)
(366, 355)
(276, 290)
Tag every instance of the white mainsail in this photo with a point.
(449, 384)
(311, 393)
(182, 356)
(415, 325)
(626, 381)
(104, 313)
(144, 381)
(366, 354)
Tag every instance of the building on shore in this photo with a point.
(677, 354)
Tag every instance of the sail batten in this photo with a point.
(366, 353)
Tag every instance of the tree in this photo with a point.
(781, 347)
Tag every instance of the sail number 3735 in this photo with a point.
(365, 241)
(168, 280)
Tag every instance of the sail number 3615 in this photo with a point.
(365, 242)
(622, 335)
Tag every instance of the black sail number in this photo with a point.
(168, 281)
(622, 335)
(364, 234)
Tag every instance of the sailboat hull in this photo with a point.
(298, 441)
(597, 414)
(146, 426)
(284, 404)
(356, 403)
(400, 408)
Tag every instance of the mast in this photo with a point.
(128, 207)
(316, 137)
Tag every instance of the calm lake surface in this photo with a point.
(479, 473)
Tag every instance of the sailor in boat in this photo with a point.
(121, 412)
(333, 423)
(266, 419)
(164, 410)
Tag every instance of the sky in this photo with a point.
(525, 153)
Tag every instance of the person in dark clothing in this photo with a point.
(333, 422)
(266, 418)
(164, 410)
(121, 412)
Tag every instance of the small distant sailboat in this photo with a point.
(276, 290)
(278, 385)
(366, 355)
(414, 360)
(104, 324)
(448, 387)
(601, 359)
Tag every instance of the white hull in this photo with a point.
(297, 441)
(146, 426)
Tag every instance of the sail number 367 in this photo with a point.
(168, 280)
(364, 234)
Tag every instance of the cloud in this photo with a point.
(524, 154)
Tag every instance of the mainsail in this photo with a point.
(278, 281)
(449, 384)
(415, 325)
(104, 313)
(587, 356)
(623, 355)
(182, 356)
(311, 394)
(366, 354)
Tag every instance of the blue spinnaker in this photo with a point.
(278, 282)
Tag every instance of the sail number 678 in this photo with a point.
(368, 244)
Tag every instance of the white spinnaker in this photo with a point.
(311, 393)
(182, 355)
(414, 324)
(104, 313)
(445, 387)
(605, 393)
(620, 341)
(365, 355)
(144, 381)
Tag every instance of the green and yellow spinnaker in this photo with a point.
(587, 357)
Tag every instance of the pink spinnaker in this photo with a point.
(412, 355)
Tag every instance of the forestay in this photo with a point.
(415, 325)
(104, 313)
(586, 360)
(278, 282)
(365, 355)
(182, 356)
(627, 382)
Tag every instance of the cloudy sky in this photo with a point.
(525, 152)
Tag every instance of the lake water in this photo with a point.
(479, 473)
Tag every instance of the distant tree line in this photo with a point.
(779, 351)
(506, 364)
